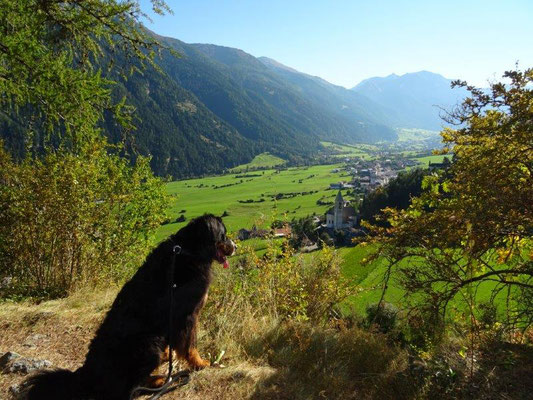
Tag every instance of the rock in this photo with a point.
(12, 362)
(7, 358)
(15, 390)
(35, 340)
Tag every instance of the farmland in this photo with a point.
(258, 197)
(255, 197)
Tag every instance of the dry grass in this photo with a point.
(60, 331)
(262, 361)
(269, 359)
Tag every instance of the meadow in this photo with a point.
(253, 198)
(363, 151)
(259, 197)
(263, 160)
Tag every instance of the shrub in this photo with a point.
(383, 315)
(69, 220)
(282, 285)
(315, 362)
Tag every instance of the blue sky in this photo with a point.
(346, 41)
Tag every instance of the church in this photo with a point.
(342, 215)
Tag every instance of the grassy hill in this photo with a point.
(260, 161)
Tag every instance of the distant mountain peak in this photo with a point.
(409, 75)
(417, 97)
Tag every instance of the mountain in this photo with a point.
(357, 110)
(181, 134)
(263, 104)
(414, 100)
(215, 107)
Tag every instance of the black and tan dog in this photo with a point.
(133, 338)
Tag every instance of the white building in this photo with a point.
(342, 215)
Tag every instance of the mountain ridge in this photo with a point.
(224, 105)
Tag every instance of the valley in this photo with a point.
(254, 194)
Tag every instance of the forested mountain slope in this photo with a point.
(215, 107)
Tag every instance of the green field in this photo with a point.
(370, 280)
(416, 135)
(230, 193)
(263, 160)
(222, 193)
(363, 151)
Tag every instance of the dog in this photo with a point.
(133, 339)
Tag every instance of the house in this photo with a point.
(245, 234)
(282, 232)
(342, 215)
(341, 185)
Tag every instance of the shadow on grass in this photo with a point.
(318, 363)
(326, 363)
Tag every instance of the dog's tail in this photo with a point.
(59, 384)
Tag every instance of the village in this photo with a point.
(341, 223)
(368, 175)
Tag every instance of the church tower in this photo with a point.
(337, 212)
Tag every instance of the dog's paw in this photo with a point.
(155, 381)
(198, 364)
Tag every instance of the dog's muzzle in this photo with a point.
(224, 250)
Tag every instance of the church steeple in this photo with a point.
(339, 200)
(337, 212)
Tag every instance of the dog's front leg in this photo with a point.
(186, 341)
(195, 361)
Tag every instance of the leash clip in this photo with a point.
(176, 249)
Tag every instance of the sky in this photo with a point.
(347, 41)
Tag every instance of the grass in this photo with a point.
(433, 158)
(226, 193)
(363, 151)
(369, 278)
(263, 160)
(415, 135)
(219, 194)
(268, 359)
(425, 160)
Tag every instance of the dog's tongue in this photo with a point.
(226, 264)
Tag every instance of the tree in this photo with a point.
(303, 229)
(51, 59)
(68, 220)
(396, 194)
(472, 227)
(72, 211)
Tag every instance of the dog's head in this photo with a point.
(206, 238)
